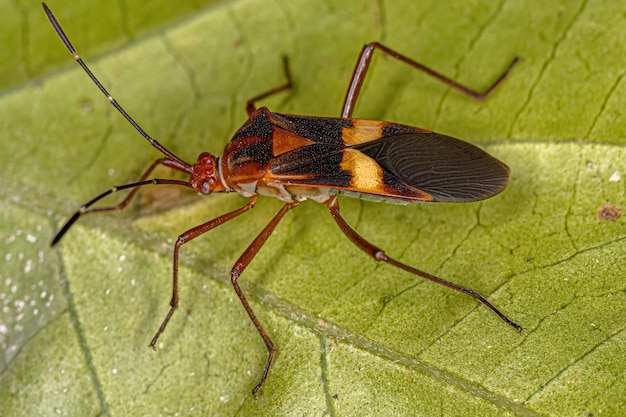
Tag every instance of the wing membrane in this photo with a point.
(415, 166)
(444, 167)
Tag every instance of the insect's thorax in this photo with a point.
(246, 164)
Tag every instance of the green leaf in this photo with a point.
(354, 337)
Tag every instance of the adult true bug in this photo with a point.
(296, 158)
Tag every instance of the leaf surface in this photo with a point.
(354, 337)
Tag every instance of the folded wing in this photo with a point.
(416, 166)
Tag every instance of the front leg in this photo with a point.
(188, 236)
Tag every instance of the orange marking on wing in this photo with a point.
(270, 177)
(362, 131)
(367, 175)
(285, 141)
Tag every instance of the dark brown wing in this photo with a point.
(446, 168)
(407, 163)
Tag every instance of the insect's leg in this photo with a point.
(362, 65)
(251, 107)
(379, 255)
(121, 206)
(186, 237)
(241, 264)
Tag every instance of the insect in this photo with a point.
(297, 158)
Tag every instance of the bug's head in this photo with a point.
(205, 178)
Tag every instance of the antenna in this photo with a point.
(66, 41)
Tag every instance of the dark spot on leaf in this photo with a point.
(609, 212)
